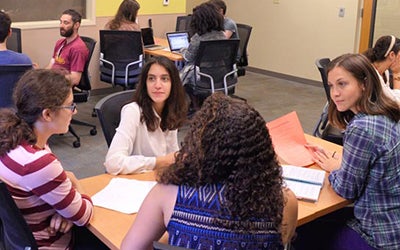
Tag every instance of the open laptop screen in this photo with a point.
(147, 36)
(178, 40)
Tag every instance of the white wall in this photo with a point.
(288, 37)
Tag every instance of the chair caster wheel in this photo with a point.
(76, 144)
(93, 131)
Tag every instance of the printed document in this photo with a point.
(123, 195)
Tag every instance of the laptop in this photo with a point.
(148, 39)
(178, 40)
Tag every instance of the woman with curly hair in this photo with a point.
(225, 189)
(147, 135)
(125, 19)
(207, 24)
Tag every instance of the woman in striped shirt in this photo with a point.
(50, 199)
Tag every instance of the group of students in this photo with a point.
(223, 188)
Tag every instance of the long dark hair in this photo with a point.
(36, 90)
(373, 101)
(175, 109)
(206, 18)
(127, 11)
(228, 143)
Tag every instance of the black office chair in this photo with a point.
(9, 76)
(82, 92)
(162, 246)
(14, 231)
(14, 42)
(215, 70)
(121, 57)
(244, 35)
(183, 24)
(323, 128)
(108, 111)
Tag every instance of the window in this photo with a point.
(32, 14)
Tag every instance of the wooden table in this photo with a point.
(162, 52)
(111, 226)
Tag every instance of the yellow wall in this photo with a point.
(109, 7)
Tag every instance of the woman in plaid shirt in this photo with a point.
(368, 169)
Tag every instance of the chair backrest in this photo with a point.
(322, 65)
(84, 84)
(183, 24)
(9, 75)
(108, 111)
(118, 49)
(244, 35)
(217, 59)
(14, 42)
(14, 231)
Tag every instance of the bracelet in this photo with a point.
(333, 155)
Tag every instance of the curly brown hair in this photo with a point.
(228, 143)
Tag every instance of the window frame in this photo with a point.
(89, 20)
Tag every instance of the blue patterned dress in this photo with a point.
(192, 224)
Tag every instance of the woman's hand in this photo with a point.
(59, 224)
(327, 160)
(165, 160)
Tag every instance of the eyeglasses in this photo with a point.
(71, 107)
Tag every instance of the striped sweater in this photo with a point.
(40, 188)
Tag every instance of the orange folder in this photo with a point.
(288, 139)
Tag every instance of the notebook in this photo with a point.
(148, 39)
(177, 41)
(306, 183)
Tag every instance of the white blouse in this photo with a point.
(134, 148)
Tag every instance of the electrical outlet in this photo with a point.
(165, 2)
(341, 12)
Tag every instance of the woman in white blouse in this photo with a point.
(146, 137)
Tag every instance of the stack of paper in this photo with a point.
(306, 183)
(123, 195)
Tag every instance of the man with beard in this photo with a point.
(70, 53)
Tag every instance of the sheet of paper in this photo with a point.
(304, 191)
(288, 139)
(306, 175)
(123, 195)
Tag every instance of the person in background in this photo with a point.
(207, 24)
(51, 199)
(70, 53)
(147, 135)
(230, 27)
(367, 171)
(385, 56)
(225, 189)
(126, 17)
(9, 56)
